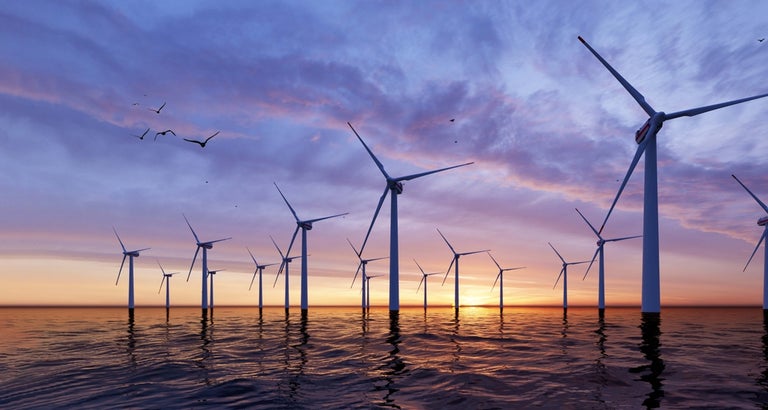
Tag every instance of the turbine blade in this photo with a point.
(449, 270)
(558, 253)
(141, 250)
(375, 215)
(590, 225)
(627, 86)
(696, 111)
(252, 257)
(473, 252)
(190, 228)
(517, 268)
(497, 279)
(278, 250)
(376, 160)
(253, 278)
(279, 271)
(420, 282)
(494, 261)
(422, 270)
(327, 217)
(377, 259)
(354, 249)
(421, 174)
(161, 284)
(591, 262)
(286, 202)
(290, 245)
(753, 252)
(624, 238)
(558, 277)
(194, 258)
(632, 165)
(359, 265)
(765, 208)
(121, 269)
(161, 267)
(218, 240)
(119, 240)
(446, 241)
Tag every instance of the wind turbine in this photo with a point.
(423, 280)
(455, 260)
(205, 246)
(394, 184)
(305, 226)
(763, 221)
(130, 255)
(564, 274)
(599, 251)
(213, 273)
(500, 279)
(362, 264)
(260, 271)
(167, 281)
(284, 264)
(646, 140)
(368, 292)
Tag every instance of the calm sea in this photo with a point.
(344, 358)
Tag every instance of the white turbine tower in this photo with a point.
(286, 260)
(363, 263)
(423, 280)
(205, 246)
(130, 255)
(260, 271)
(167, 281)
(455, 260)
(601, 268)
(646, 140)
(763, 221)
(500, 279)
(564, 274)
(304, 225)
(394, 184)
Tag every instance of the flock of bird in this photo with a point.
(169, 131)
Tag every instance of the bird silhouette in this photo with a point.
(142, 135)
(761, 40)
(453, 119)
(157, 110)
(163, 133)
(202, 143)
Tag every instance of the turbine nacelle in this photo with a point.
(763, 221)
(306, 225)
(396, 186)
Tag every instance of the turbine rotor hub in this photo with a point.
(396, 186)
(306, 225)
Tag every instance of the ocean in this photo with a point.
(478, 358)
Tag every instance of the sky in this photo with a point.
(427, 85)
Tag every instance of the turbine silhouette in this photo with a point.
(130, 255)
(205, 246)
(763, 221)
(455, 260)
(564, 275)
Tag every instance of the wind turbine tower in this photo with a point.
(423, 280)
(564, 275)
(260, 271)
(395, 185)
(500, 279)
(286, 260)
(363, 263)
(130, 255)
(455, 261)
(167, 281)
(645, 137)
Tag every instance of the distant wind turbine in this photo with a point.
(564, 274)
(455, 260)
(500, 279)
(646, 140)
(260, 271)
(423, 280)
(211, 274)
(394, 184)
(363, 263)
(763, 221)
(205, 246)
(304, 225)
(600, 251)
(130, 255)
(167, 281)
(286, 260)
(368, 291)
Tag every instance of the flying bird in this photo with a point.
(453, 119)
(157, 110)
(202, 143)
(760, 40)
(142, 135)
(163, 133)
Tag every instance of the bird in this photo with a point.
(157, 110)
(760, 40)
(142, 135)
(202, 143)
(453, 119)
(163, 133)
(135, 104)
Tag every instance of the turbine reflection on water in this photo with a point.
(650, 347)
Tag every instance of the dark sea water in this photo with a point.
(343, 358)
